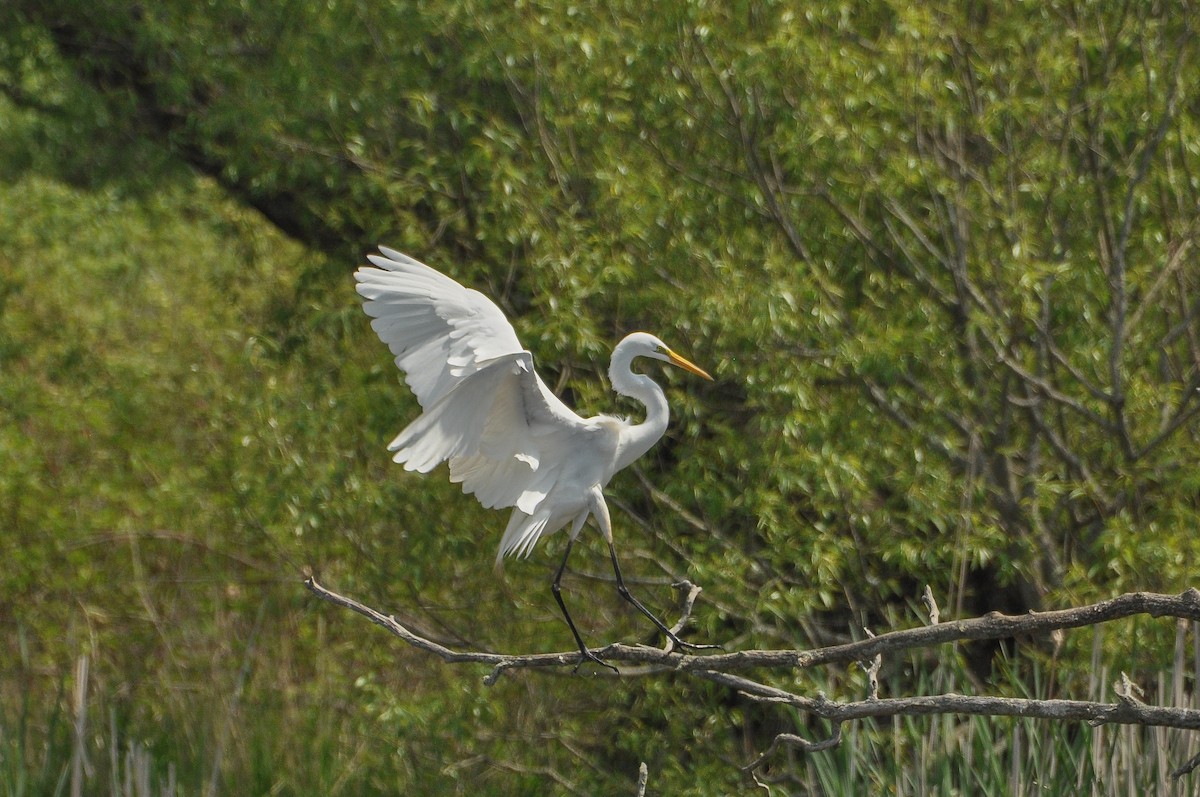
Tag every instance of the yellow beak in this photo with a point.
(687, 365)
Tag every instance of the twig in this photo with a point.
(872, 670)
(794, 741)
(685, 611)
(931, 605)
(547, 772)
(1191, 764)
(1128, 692)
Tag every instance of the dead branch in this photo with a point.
(1128, 710)
(993, 625)
(796, 743)
(721, 668)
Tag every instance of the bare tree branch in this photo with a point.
(993, 625)
(1128, 710)
(719, 668)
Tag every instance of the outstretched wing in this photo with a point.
(485, 408)
(439, 331)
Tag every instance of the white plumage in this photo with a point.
(508, 439)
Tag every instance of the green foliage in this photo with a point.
(940, 262)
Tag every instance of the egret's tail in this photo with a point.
(522, 534)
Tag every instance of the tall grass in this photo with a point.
(1014, 757)
(79, 747)
(61, 755)
(72, 733)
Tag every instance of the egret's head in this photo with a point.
(643, 344)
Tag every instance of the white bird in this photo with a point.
(508, 439)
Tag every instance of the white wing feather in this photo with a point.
(440, 332)
(485, 408)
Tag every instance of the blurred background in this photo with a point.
(940, 258)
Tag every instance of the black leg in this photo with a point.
(556, 587)
(627, 595)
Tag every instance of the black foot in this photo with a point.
(587, 655)
(676, 642)
(683, 643)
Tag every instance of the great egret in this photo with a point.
(509, 440)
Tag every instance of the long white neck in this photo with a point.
(637, 439)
